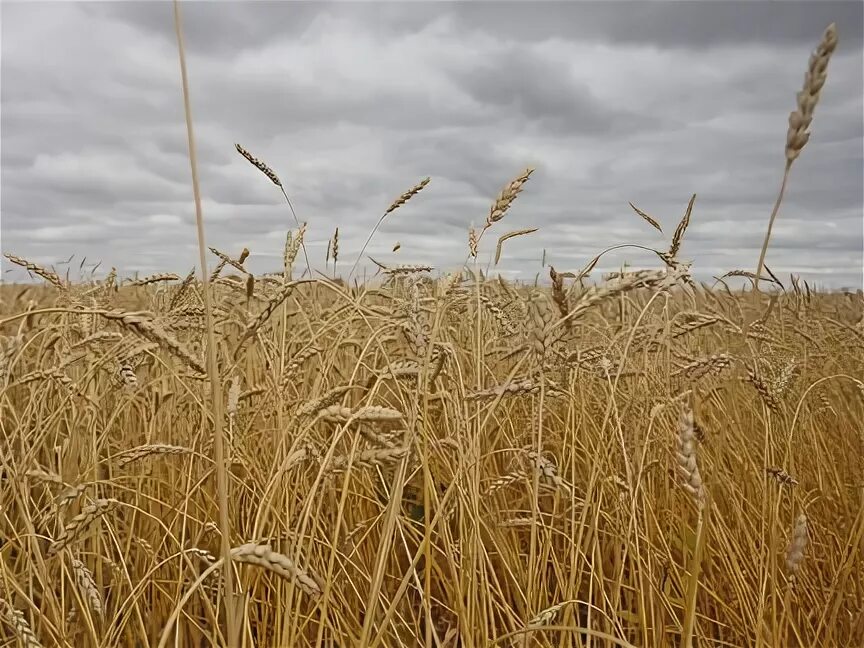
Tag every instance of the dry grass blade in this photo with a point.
(508, 236)
(584, 272)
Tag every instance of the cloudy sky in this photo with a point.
(353, 103)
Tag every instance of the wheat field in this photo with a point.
(434, 459)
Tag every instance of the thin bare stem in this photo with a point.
(212, 369)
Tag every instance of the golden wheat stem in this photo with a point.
(771, 226)
(231, 607)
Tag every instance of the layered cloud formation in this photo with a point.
(354, 103)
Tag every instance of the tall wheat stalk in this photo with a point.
(212, 369)
(799, 121)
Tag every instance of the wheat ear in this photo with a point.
(800, 119)
(264, 557)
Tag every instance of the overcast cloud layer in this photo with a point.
(352, 104)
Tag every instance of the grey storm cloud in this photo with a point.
(353, 103)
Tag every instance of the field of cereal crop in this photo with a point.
(433, 459)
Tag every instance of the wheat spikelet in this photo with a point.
(669, 257)
(416, 327)
(155, 278)
(744, 273)
(764, 391)
(516, 387)
(334, 246)
(548, 471)
(785, 378)
(263, 556)
(217, 271)
(781, 476)
(814, 79)
(686, 458)
(797, 135)
(405, 269)
(712, 365)
(227, 260)
(87, 587)
(259, 320)
(505, 480)
(559, 296)
(398, 369)
(69, 495)
(202, 554)
(143, 325)
(127, 376)
(78, 524)
(506, 197)
(797, 545)
(233, 397)
(98, 337)
(661, 279)
(53, 374)
(141, 452)
(45, 477)
(109, 284)
(292, 247)
(548, 615)
(19, 624)
(258, 164)
(473, 242)
(653, 223)
(540, 317)
(369, 458)
(685, 323)
(9, 347)
(500, 316)
(370, 413)
(47, 275)
(182, 289)
(331, 397)
(405, 197)
(296, 362)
